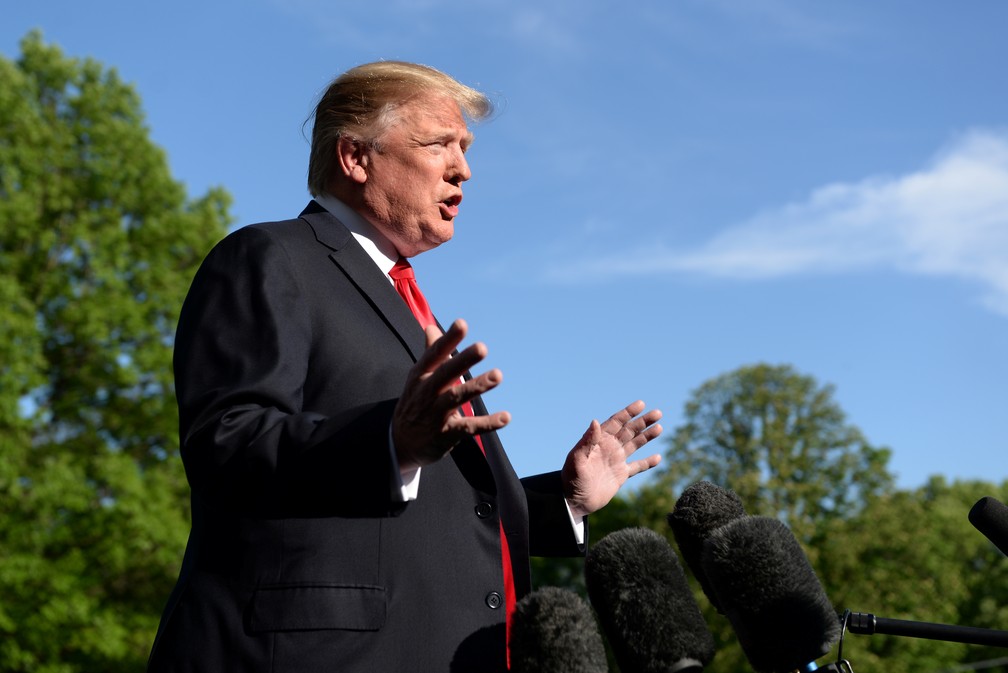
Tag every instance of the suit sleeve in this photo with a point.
(242, 355)
(550, 531)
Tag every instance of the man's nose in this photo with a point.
(458, 169)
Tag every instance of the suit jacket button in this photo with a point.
(484, 509)
(493, 600)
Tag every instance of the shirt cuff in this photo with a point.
(405, 483)
(577, 525)
(409, 484)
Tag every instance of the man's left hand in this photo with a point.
(598, 464)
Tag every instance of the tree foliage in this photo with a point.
(779, 440)
(98, 246)
(913, 555)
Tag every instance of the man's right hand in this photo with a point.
(427, 422)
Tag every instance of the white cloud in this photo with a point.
(948, 219)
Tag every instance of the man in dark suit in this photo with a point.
(353, 509)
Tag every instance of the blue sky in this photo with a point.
(670, 189)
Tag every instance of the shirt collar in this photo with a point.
(378, 247)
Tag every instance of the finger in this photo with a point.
(652, 416)
(474, 425)
(441, 351)
(634, 408)
(483, 383)
(635, 426)
(449, 372)
(454, 395)
(637, 466)
(623, 416)
(433, 333)
(643, 438)
(440, 346)
(640, 425)
(592, 436)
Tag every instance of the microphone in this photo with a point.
(990, 517)
(553, 630)
(645, 606)
(702, 508)
(770, 594)
(867, 624)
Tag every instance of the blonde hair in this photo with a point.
(362, 103)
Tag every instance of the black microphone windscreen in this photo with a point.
(770, 594)
(645, 605)
(990, 517)
(702, 508)
(553, 630)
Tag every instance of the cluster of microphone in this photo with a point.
(754, 572)
(643, 601)
(751, 568)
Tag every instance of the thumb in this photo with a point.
(592, 436)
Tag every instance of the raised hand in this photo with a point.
(599, 464)
(427, 422)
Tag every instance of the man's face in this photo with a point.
(414, 182)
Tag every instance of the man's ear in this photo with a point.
(353, 158)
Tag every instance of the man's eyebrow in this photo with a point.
(449, 135)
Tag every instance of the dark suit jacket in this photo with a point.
(291, 350)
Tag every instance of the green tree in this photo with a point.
(913, 555)
(779, 440)
(97, 248)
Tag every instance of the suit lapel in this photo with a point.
(361, 270)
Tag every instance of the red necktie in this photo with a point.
(406, 285)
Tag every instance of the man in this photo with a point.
(353, 509)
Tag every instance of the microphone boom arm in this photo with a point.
(867, 624)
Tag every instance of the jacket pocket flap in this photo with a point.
(312, 607)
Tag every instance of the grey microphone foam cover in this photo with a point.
(770, 593)
(553, 630)
(645, 605)
(701, 509)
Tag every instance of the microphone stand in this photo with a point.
(864, 623)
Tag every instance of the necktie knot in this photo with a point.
(402, 270)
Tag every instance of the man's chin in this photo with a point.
(439, 237)
(425, 246)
